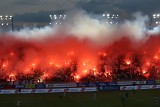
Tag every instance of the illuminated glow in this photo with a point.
(67, 62)
(51, 63)
(94, 69)
(77, 78)
(12, 53)
(84, 63)
(11, 75)
(33, 65)
(156, 57)
(102, 54)
(27, 69)
(85, 71)
(4, 65)
(57, 65)
(45, 75)
(128, 62)
(148, 63)
(95, 73)
(144, 71)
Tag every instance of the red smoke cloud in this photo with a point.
(66, 59)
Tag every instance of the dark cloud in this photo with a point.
(130, 6)
(145, 6)
(34, 6)
(27, 2)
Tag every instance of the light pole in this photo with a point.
(110, 18)
(57, 19)
(6, 21)
(156, 19)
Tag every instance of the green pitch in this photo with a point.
(144, 98)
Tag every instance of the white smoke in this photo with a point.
(137, 28)
(35, 33)
(84, 26)
(156, 30)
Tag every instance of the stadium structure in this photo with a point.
(6, 23)
(107, 18)
(57, 19)
(110, 18)
(156, 19)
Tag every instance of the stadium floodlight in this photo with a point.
(60, 16)
(64, 16)
(158, 15)
(55, 16)
(57, 19)
(110, 18)
(154, 15)
(7, 22)
(50, 16)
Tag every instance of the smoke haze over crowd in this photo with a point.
(81, 40)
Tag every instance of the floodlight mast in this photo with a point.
(6, 21)
(110, 18)
(156, 19)
(57, 18)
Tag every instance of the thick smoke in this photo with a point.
(78, 41)
(81, 25)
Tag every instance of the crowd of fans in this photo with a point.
(108, 68)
